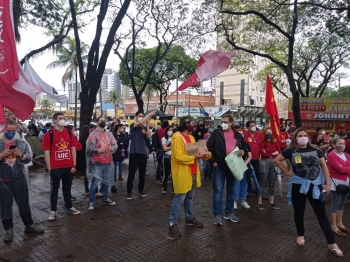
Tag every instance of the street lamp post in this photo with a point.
(177, 92)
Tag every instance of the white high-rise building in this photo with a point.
(110, 81)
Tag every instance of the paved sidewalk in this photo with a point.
(136, 230)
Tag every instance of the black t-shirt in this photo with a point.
(306, 162)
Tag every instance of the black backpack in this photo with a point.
(51, 136)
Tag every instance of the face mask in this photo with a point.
(224, 126)
(10, 135)
(62, 122)
(122, 130)
(201, 125)
(190, 128)
(340, 148)
(139, 119)
(323, 132)
(211, 130)
(288, 141)
(268, 136)
(102, 124)
(283, 130)
(253, 129)
(302, 141)
(170, 133)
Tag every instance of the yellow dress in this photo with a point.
(181, 165)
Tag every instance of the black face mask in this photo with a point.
(283, 130)
(102, 124)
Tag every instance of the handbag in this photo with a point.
(341, 189)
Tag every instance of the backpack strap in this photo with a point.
(51, 137)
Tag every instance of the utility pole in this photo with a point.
(177, 92)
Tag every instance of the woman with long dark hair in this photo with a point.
(81, 156)
(308, 178)
(269, 150)
(166, 143)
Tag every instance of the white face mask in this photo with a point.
(139, 119)
(170, 133)
(323, 132)
(62, 122)
(302, 141)
(253, 129)
(224, 126)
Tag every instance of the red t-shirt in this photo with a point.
(60, 150)
(267, 150)
(253, 142)
(284, 137)
(194, 165)
(230, 141)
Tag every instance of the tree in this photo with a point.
(268, 29)
(114, 97)
(97, 59)
(67, 57)
(160, 21)
(46, 104)
(341, 92)
(163, 73)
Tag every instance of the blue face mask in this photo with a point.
(211, 130)
(268, 136)
(10, 135)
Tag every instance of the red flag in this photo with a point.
(210, 64)
(271, 109)
(15, 92)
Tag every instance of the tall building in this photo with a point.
(110, 81)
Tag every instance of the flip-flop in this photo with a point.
(300, 242)
(336, 251)
(345, 229)
(339, 233)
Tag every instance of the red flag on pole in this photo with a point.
(271, 109)
(210, 64)
(16, 93)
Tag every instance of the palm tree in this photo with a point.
(67, 57)
(114, 97)
(46, 104)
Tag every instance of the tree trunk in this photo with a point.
(161, 102)
(76, 99)
(139, 102)
(115, 111)
(148, 97)
(296, 97)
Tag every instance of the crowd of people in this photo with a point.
(315, 166)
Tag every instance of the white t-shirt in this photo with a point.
(166, 142)
(41, 134)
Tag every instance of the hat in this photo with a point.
(185, 119)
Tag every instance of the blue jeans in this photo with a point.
(94, 189)
(187, 199)
(221, 174)
(120, 168)
(242, 187)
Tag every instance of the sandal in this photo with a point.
(300, 242)
(339, 233)
(336, 251)
(345, 229)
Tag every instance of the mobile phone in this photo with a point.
(12, 147)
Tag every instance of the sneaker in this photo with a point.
(129, 196)
(194, 222)
(235, 205)
(232, 218)
(159, 182)
(274, 206)
(73, 211)
(8, 236)
(87, 194)
(245, 205)
(174, 232)
(73, 198)
(109, 202)
(142, 194)
(121, 178)
(91, 206)
(114, 189)
(260, 207)
(34, 229)
(218, 220)
(163, 191)
(52, 216)
(98, 194)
